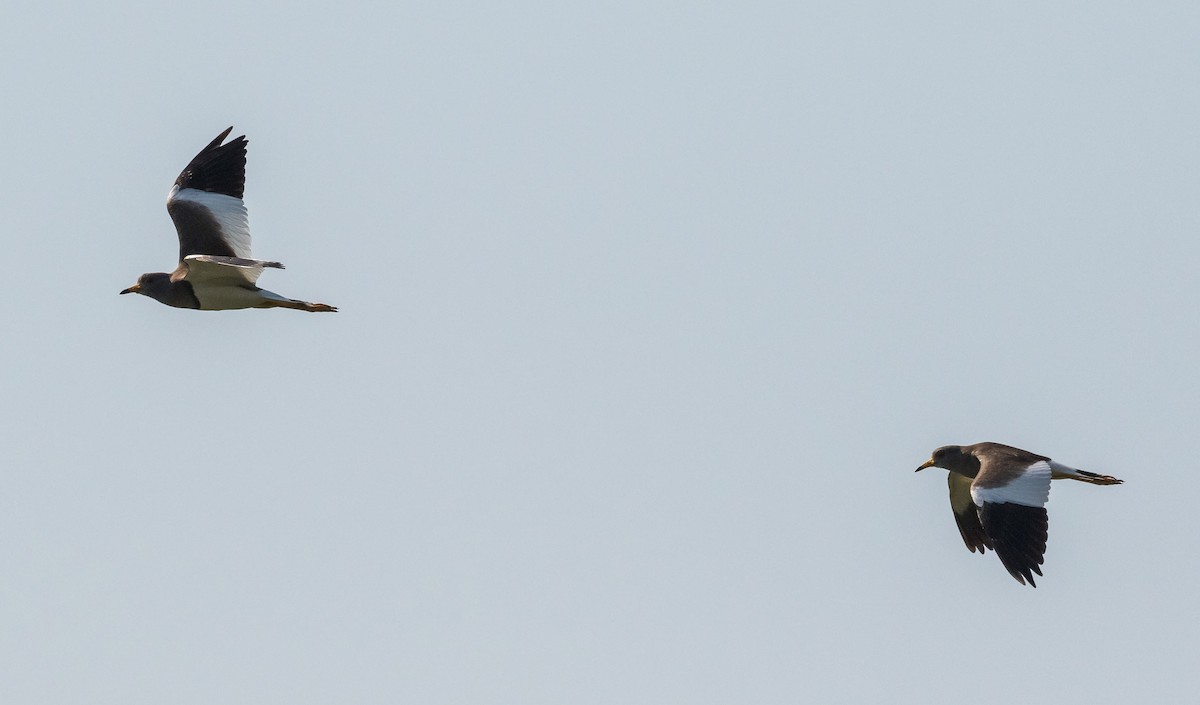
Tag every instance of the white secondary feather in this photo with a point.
(229, 212)
(1031, 488)
(207, 269)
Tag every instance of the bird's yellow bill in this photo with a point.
(133, 289)
(926, 464)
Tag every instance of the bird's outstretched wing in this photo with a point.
(966, 515)
(1011, 496)
(206, 201)
(209, 269)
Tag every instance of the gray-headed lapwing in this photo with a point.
(998, 494)
(215, 272)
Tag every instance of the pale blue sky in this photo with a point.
(648, 313)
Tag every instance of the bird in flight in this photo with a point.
(216, 271)
(998, 494)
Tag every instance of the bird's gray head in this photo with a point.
(156, 285)
(946, 457)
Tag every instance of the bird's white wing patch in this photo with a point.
(229, 212)
(210, 269)
(1031, 488)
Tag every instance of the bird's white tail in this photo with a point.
(1060, 471)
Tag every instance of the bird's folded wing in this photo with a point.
(966, 515)
(209, 269)
(206, 201)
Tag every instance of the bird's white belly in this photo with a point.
(224, 298)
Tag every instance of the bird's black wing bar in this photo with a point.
(218, 168)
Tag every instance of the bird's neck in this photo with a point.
(967, 467)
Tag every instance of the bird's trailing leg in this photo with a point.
(299, 306)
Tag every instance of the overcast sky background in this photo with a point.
(648, 313)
